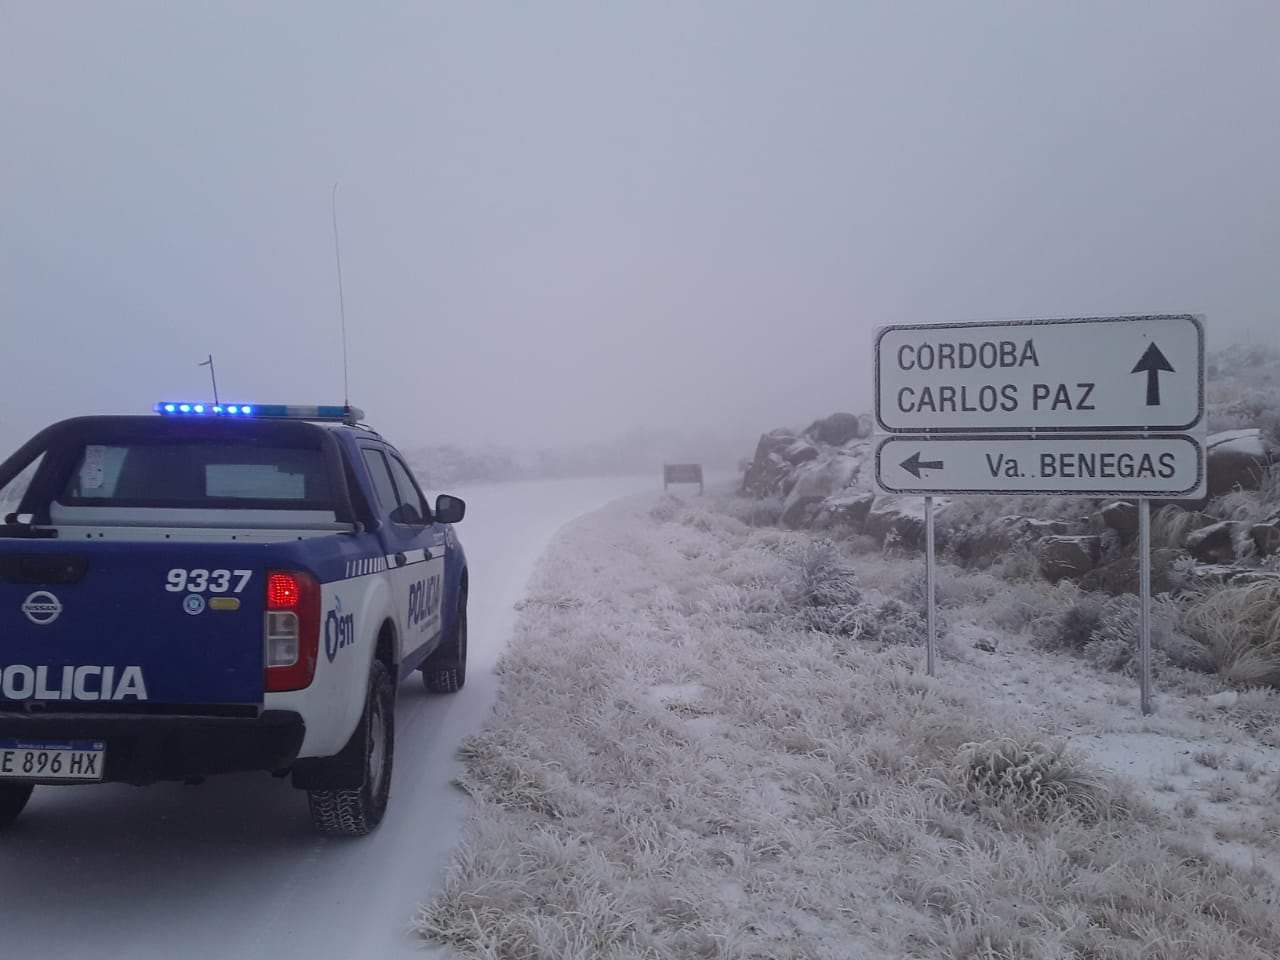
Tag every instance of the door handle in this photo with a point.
(401, 559)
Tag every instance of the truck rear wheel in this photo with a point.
(446, 670)
(355, 812)
(13, 798)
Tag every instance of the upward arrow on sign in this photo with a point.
(1153, 363)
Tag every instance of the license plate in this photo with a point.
(52, 759)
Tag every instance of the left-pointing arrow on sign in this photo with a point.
(913, 465)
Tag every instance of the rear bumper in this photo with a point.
(143, 750)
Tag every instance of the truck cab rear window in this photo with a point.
(198, 474)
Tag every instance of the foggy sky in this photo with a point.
(564, 220)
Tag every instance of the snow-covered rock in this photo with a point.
(899, 518)
(802, 451)
(1266, 538)
(980, 546)
(769, 467)
(845, 510)
(838, 429)
(1068, 558)
(1122, 574)
(1120, 516)
(1222, 542)
(815, 481)
(1238, 459)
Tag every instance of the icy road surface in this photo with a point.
(231, 868)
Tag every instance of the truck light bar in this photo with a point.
(274, 411)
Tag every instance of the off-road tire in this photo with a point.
(356, 812)
(446, 669)
(13, 798)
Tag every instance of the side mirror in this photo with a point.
(450, 509)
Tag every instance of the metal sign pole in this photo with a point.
(932, 639)
(1144, 601)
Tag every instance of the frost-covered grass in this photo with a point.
(1249, 506)
(714, 740)
(1239, 627)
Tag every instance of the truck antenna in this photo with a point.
(212, 376)
(342, 310)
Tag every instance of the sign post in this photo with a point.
(1144, 604)
(1089, 406)
(931, 607)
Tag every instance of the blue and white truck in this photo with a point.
(221, 588)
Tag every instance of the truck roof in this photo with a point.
(191, 462)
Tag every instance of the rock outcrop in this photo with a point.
(824, 478)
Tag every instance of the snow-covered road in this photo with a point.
(231, 868)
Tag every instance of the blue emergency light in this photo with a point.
(273, 411)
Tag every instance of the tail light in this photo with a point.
(292, 631)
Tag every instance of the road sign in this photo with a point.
(1165, 466)
(1119, 374)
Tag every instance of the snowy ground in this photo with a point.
(231, 868)
(680, 765)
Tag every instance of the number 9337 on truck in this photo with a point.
(221, 588)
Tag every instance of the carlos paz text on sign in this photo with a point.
(1113, 373)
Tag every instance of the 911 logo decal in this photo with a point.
(339, 630)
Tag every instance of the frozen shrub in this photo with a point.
(952, 586)
(1021, 605)
(1118, 625)
(1269, 423)
(667, 508)
(1119, 655)
(821, 577)
(1239, 628)
(1243, 506)
(861, 544)
(1256, 709)
(1109, 653)
(1073, 628)
(840, 620)
(824, 590)
(1021, 563)
(714, 521)
(893, 622)
(754, 512)
(1171, 525)
(1031, 779)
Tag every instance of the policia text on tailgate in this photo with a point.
(221, 588)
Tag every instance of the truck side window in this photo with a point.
(412, 507)
(382, 484)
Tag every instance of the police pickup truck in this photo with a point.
(221, 588)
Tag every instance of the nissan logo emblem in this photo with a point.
(42, 608)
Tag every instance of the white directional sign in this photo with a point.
(1134, 374)
(1091, 465)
